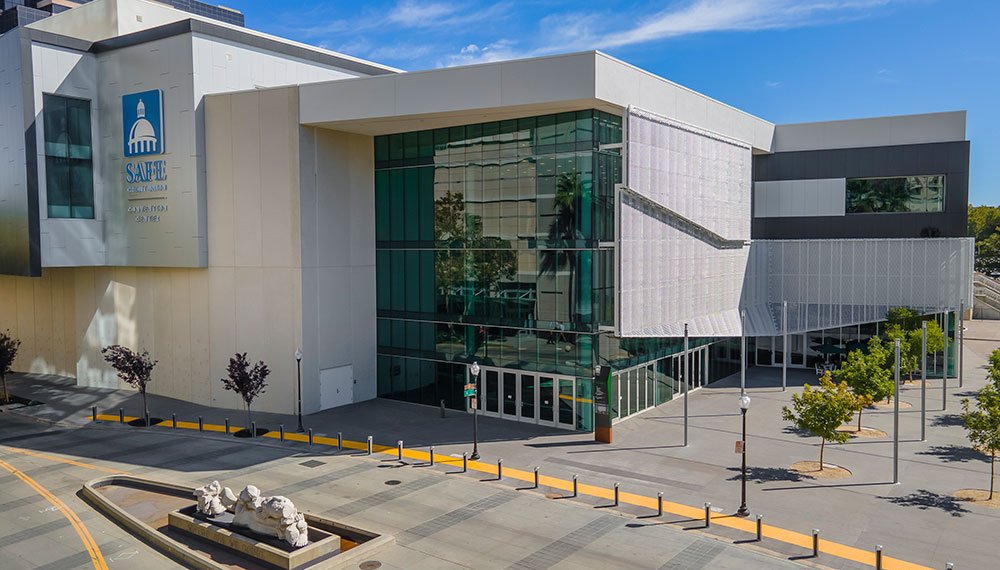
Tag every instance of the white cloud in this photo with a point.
(419, 14)
(585, 31)
(773, 84)
(499, 50)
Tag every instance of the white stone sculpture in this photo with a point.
(213, 499)
(272, 516)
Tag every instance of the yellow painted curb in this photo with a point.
(776, 533)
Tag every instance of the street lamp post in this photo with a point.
(298, 368)
(474, 369)
(744, 406)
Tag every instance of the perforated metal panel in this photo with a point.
(832, 283)
(682, 231)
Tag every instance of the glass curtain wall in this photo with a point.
(488, 249)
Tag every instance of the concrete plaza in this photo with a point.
(917, 520)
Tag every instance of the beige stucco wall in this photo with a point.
(191, 320)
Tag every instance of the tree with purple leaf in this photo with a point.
(246, 381)
(8, 352)
(133, 367)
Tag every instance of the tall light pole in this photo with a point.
(895, 422)
(474, 369)
(298, 368)
(744, 406)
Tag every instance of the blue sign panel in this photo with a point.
(142, 123)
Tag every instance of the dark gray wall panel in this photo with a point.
(948, 158)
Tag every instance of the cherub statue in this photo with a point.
(272, 516)
(213, 499)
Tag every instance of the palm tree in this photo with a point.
(563, 228)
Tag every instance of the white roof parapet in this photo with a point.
(877, 131)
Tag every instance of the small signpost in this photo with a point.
(470, 390)
(739, 447)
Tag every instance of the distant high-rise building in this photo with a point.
(14, 13)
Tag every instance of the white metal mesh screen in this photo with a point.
(831, 283)
(670, 273)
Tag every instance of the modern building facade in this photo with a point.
(198, 189)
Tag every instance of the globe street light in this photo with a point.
(474, 369)
(298, 368)
(744, 406)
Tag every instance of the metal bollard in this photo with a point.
(659, 504)
(760, 528)
(708, 515)
(253, 429)
(399, 449)
(310, 436)
(465, 461)
(536, 477)
(281, 432)
(369, 445)
(121, 416)
(878, 557)
(815, 542)
(576, 487)
(227, 426)
(616, 493)
(93, 414)
(201, 424)
(432, 456)
(173, 420)
(499, 469)
(340, 441)
(442, 409)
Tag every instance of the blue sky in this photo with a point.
(783, 60)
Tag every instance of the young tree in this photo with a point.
(246, 381)
(820, 412)
(935, 343)
(867, 375)
(134, 368)
(983, 424)
(909, 358)
(8, 352)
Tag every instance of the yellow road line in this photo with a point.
(63, 460)
(88, 541)
(783, 535)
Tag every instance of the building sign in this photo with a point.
(142, 134)
(142, 123)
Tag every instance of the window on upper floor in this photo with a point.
(69, 163)
(923, 193)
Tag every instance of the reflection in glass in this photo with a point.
(546, 392)
(899, 194)
(527, 396)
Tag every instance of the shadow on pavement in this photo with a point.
(948, 420)
(924, 500)
(955, 454)
(768, 474)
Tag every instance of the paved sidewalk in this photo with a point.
(917, 520)
(440, 521)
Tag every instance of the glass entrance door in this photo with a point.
(528, 397)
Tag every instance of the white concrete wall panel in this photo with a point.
(338, 257)
(798, 198)
(498, 90)
(878, 131)
(14, 235)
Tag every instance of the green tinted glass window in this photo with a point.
(899, 194)
(69, 167)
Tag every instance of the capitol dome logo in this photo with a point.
(142, 123)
